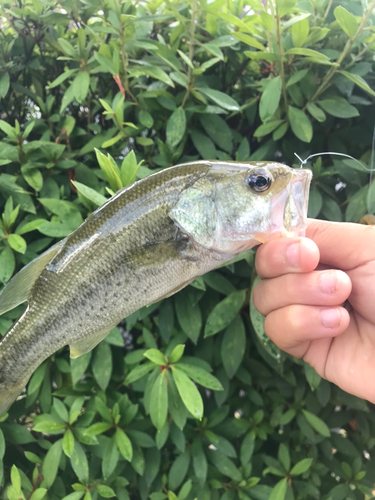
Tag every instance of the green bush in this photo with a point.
(155, 84)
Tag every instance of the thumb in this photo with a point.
(342, 245)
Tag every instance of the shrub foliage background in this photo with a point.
(159, 83)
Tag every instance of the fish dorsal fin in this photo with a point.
(87, 344)
(19, 287)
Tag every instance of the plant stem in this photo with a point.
(191, 49)
(281, 57)
(124, 60)
(344, 53)
(327, 9)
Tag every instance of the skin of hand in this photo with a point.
(305, 283)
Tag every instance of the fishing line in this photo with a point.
(371, 170)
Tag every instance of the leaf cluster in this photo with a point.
(187, 398)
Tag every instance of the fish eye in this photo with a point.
(259, 181)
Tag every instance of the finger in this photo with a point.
(319, 288)
(342, 245)
(292, 328)
(286, 255)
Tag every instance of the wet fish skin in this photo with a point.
(147, 242)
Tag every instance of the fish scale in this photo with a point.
(145, 243)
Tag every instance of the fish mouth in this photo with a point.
(296, 206)
(289, 208)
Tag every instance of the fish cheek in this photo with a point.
(195, 214)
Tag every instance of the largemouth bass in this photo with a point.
(147, 242)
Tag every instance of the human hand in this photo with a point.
(304, 306)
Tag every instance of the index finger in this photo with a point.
(286, 255)
(341, 244)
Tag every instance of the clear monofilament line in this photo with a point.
(371, 170)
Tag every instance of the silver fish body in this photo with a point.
(147, 242)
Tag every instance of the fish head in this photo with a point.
(236, 206)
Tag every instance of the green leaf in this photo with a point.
(177, 408)
(139, 372)
(225, 465)
(223, 100)
(159, 401)
(129, 169)
(4, 84)
(218, 131)
(316, 112)
(124, 445)
(308, 53)
(300, 124)
(106, 64)
(300, 32)
(7, 264)
(51, 463)
(267, 128)
(284, 456)
(279, 491)
(17, 243)
(155, 356)
(201, 376)
(188, 392)
(312, 377)
(61, 78)
(15, 478)
(79, 463)
(32, 176)
(68, 443)
(110, 170)
(247, 448)
(81, 85)
(249, 40)
(315, 202)
(331, 210)
(338, 107)
(154, 72)
(97, 428)
(301, 466)
(358, 80)
(357, 206)
(105, 491)
(188, 314)
(233, 346)
(297, 77)
(269, 102)
(199, 461)
(79, 366)
(110, 457)
(8, 130)
(89, 193)
(317, 423)
(176, 126)
(224, 312)
(102, 365)
(346, 20)
(38, 494)
(179, 470)
(30, 226)
(146, 119)
(177, 352)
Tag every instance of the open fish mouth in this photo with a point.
(295, 211)
(289, 208)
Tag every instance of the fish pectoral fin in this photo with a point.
(19, 287)
(88, 343)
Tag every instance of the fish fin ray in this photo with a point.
(19, 287)
(86, 345)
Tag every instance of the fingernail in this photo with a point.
(292, 254)
(328, 282)
(330, 317)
